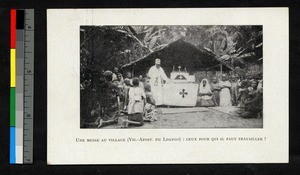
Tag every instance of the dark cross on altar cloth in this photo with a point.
(183, 93)
(180, 77)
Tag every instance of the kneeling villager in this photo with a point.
(136, 96)
(150, 113)
(205, 95)
(109, 101)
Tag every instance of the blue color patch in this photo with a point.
(12, 153)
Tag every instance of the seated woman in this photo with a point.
(205, 95)
(136, 99)
(253, 105)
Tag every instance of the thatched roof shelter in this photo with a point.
(178, 53)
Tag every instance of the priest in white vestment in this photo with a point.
(157, 77)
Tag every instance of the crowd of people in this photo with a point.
(136, 98)
(124, 96)
(234, 90)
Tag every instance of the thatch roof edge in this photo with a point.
(180, 40)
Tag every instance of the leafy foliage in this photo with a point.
(105, 47)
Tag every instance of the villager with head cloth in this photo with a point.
(205, 94)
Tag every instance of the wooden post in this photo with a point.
(221, 69)
(132, 71)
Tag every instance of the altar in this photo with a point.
(182, 90)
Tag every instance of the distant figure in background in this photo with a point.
(243, 93)
(141, 78)
(225, 97)
(128, 75)
(127, 85)
(260, 82)
(250, 87)
(205, 95)
(119, 81)
(141, 83)
(215, 88)
(157, 77)
(242, 78)
(234, 90)
(136, 103)
(146, 80)
(115, 74)
(260, 85)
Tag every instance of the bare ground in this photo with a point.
(199, 117)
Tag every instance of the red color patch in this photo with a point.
(13, 28)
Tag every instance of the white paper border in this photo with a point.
(63, 108)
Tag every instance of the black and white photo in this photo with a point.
(171, 76)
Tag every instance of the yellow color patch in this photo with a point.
(12, 67)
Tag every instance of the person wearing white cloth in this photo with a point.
(205, 94)
(157, 76)
(225, 97)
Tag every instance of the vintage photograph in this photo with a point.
(177, 86)
(181, 76)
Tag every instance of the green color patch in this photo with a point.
(12, 106)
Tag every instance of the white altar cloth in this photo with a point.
(180, 94)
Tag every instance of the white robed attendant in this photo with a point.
(205, 90)
(205, 94)
(225, 97)
(157, 76)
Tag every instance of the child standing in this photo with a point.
(136, 96)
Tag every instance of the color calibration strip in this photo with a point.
(13, 154)
(21, 85)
